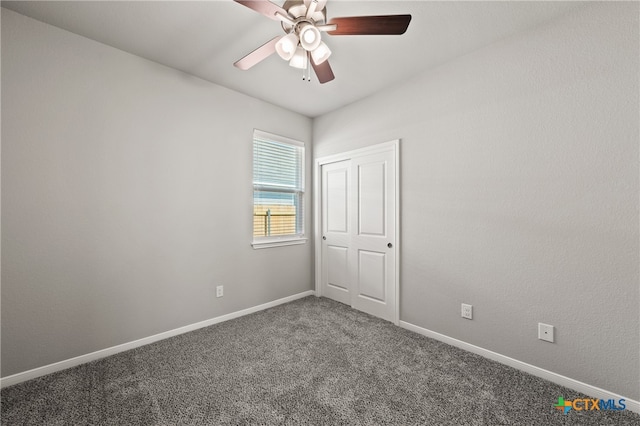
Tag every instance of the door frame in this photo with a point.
(393, 146)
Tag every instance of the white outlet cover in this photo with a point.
(545, 332)
(467, 311)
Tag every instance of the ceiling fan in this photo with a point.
(303, 21)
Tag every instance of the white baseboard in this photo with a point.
(559, 379)
(72, 362)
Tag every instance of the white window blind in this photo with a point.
(278, 188)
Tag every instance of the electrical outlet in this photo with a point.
(545, 332)
(467, 311)
(220, 291)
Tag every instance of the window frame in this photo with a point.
(289, 239)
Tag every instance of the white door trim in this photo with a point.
(394, 146)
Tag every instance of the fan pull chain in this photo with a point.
(306, 71)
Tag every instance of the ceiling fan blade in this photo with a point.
(323, 71)
(370, 25)
(258, 55)
(265, 7)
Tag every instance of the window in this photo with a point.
(278, 190)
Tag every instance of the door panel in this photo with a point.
(338, 267)
(373, 243)
(336, 224)
(337, 203)
(371, 211)
(371, 279)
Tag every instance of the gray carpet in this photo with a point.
(313, 362)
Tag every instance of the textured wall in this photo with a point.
(519, 193)
(126, 198)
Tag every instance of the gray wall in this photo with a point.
(126, 198)
(519, 193)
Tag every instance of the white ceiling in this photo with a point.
(204, 38)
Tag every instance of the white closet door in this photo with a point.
(358, 257)
(336, 234)
(373, 250)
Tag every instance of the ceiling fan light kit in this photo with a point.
(303, 21)
(299, 59)
(286, 46)
(309, 37)
(320, 4)
(321, 53)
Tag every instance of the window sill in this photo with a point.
(270, 243)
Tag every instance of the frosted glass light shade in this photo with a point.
(320, 6)
(286, 46)
(318, 17)
(297, 10)
(299, 59)
(310, 37)
(321, 53)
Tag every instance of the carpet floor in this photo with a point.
(309, 362)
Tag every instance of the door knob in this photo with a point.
(389, 245)
(324, 238)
